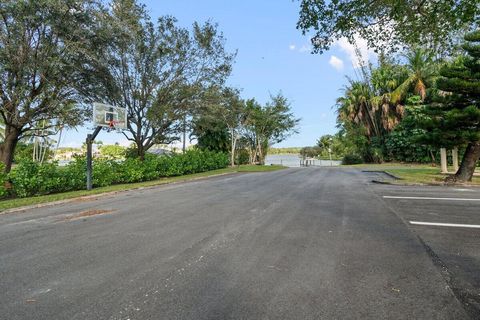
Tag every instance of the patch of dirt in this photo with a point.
(84, 199)
(86, 214)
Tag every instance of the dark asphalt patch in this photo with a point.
(87, 214)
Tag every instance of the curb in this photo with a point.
(384, 172)
(105, 194)
(382, 182)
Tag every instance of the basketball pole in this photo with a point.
(89, 141)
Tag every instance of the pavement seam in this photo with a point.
(449, 279)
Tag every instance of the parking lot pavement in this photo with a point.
(305, 243)
(447, 221)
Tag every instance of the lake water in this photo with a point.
(293, 160)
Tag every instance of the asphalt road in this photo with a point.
(306, 243)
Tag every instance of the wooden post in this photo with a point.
(455, 158)
(443, 160)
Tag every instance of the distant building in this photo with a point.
(159, 151)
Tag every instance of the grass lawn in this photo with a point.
(413, 173)
(20, 202)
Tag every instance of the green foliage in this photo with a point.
(175, 66)
(404, 143)
(452, 118)
(243, 157)
(112, 152)
(3, 181)
(401, 146)
(372, 115)
(24, 152)
(288, 150)
(48, 51)
(30, 179)
(267, 125)
(211, 133)
(386, 25)
(352, 159)
(311, 152)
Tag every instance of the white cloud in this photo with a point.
(365, 53)
(336, 62)
(302, 49)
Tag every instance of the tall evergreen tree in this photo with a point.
(454, 114)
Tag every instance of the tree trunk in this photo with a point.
(140, 151)
(7, 148)
(469, 162)
(434, 162)
(261, 159)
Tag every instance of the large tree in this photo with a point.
(268, 125)
(226, 105)
(211, 133)
(47, 65)
(453, 117)
(375, 105)
(152, 65)
(387, 24)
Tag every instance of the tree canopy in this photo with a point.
(454, 112)
(387, 24)
(155, 69)
(48, 66)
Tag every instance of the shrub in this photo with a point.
(352, 159)
(3, 181)
(30, 178)
(75, 174)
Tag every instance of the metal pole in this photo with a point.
(184, 134)
(89, 142)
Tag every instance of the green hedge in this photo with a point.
(352, 159)
(30, 179)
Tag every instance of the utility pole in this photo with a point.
(184, 147)
(89, 141)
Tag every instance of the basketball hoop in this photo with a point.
(104, 117)
(112, 125)
(109, 117)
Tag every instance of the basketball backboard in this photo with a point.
(108, 116)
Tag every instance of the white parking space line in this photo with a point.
(429, 198)
(454, 225)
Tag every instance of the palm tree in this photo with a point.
(422, 69)
(375, 103)
(355, 106)
(393, 83)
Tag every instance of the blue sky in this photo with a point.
(272, 56)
